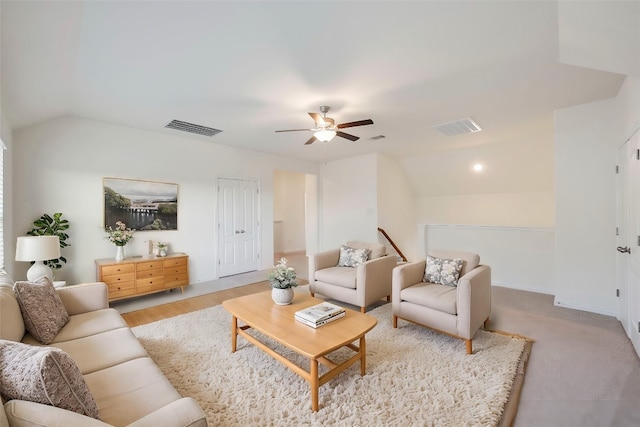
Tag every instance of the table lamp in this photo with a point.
(38, 249)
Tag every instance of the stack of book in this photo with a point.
(320, 314)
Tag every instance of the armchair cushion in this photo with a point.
(438, 297)
(351, 257)
(43, 312)
(443, 271)
(339, 276)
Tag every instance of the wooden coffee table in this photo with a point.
(277, 322)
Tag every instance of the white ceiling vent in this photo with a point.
(192, 128)
(458, 127)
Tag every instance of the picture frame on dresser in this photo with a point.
(141, 205)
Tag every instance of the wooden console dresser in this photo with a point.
(143, 275)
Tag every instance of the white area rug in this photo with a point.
(414, 376)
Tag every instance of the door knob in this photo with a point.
(624, 250)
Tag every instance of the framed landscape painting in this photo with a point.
(141, 205)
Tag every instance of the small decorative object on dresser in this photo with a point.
(143, 275)
(160, 249)
(282, 279)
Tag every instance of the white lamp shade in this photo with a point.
(325, 135)
(37, 248)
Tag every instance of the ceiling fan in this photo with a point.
(326, 128)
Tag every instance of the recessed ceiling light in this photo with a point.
(478, 167)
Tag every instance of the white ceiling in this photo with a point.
(250, 68)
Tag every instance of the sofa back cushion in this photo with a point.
(470, 260)
(11, 323)
(376, 249)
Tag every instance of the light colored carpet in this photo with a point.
(414, 376)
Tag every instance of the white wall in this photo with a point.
(519, 257)
(585, 256)
(535, 209)
(349, 201)
(59, 166)
(9, 236)
(289, 209)
(396, 207)
(515, 188)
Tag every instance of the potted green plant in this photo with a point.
(55, 225)
(282, 278)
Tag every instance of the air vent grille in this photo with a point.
(458, 127)
(192, 128)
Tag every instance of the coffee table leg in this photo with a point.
(363, 356)
(234, 333)
(315, 384)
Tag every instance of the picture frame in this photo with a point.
(141, 205)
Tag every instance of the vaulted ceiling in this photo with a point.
(250, 68)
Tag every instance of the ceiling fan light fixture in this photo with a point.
(325, 135)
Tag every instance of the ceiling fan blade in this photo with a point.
(347, 136)
(316, 117)
(352, 124)
(311, 140)
(292, 130)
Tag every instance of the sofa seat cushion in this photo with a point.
(44, 375)
(438, 297)
(86, 324)
(130, 390)
(42, 310)
(101, 351)
(339, 276)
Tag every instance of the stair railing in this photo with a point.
(395, 247)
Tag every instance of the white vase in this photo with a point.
(282, 296)
(119, 253)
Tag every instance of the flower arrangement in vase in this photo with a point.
(119, 236)
(282, 279)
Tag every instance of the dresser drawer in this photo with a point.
(120, 278)
(141, 283)
(174, 262)
(118, 290)
(173, 280)
(108, 270)
(179, 269)
(153, 287)
(146, 274)
(148, 265)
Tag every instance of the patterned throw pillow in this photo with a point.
(443, 271)
(44, 375)
(42, 310)
(350, 257)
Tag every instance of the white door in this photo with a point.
(622, 259)
(629, 239)
(238, 226)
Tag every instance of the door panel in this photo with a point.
(239, 226)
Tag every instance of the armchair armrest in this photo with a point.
(180, 413)
(83, 298)
(321, 261)
(374, 279)
(23, 413)
(406, 275)
(474, 300)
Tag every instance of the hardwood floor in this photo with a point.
(151, 314)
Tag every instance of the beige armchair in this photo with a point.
(454, 310)
(360, 286)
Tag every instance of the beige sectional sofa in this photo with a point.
(128, 387)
